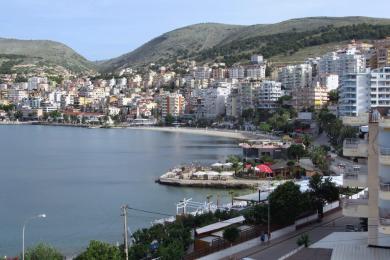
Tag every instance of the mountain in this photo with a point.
(27, 53)
(197, 40)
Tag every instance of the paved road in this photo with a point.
(279, 249)
(285, 244)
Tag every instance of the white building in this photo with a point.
(269, 93)
(380, 87)
(257, 59)
(255, 71)
(354, 94)
(212, 102)
(237, 72)
(295, 76)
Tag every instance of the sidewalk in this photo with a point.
(254, 246)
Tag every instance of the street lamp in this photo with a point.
(24, 227)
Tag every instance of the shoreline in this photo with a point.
(197, 131)
(234, 134)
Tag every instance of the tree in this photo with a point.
(98, 250)
(169, 119)
(257, 214)
(172, 251)
(295, 151)
(265, 127)
(322, 191)
(285, 203)
(333, 96)
(303, 240)
(307, 140)
(43, 252)
(231, 234)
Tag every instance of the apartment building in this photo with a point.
(173, 104)
(268, 94)
(381, 55)
(256, 72)
(373, 202)
(295, 76)
(380, 87)
(354, 94)
(308, 97)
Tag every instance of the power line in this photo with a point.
(150, 212)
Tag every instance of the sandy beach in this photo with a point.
(210, 132)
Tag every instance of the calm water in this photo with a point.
(80, 178)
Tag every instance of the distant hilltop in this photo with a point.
(203, 42)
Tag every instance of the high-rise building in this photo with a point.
(268, 94)
(354, 94)
(380, 87)
(173, 104)
(295, 76)
(373, 202)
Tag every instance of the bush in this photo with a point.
(43, 252)
(231, 234)
(303, 240)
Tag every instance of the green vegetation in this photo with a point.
(334, 128)
(231, 234)
(232, 43)
(296, 151)
(318, 156)
(169, 119)
(98, 250)
(43, 252)
(290, 42)
(303, 240)
(48, 53)
(287, 202)
(322, 191)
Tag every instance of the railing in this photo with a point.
(351, 176)
(385, 187)
(385, 151)
(351, 143)
(384, 221)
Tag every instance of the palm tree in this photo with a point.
(208, 200)
(232, 194)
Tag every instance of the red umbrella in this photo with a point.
(248, 166)
(264, 168)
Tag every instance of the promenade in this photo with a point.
(281, 246)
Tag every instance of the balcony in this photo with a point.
(356, 206)
(384, 157)
(385, 123)
(355, 148)
(384, 225)
(355, 179)
(384, 191)
(355, 120)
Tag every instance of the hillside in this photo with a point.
(36, 53)
(196, 41)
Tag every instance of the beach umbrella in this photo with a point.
(264, 168)
(217, 165)
(248, 166)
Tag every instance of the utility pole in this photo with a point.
(124, 214)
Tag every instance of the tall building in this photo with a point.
(380, 87)
(212, 102)
(373, 202)
(381, 57)
(310, 97)
(354, 94)
(268, 94)
(173, 104)
(295, 76)
(237, 72)
(257, 59)
(255, 71)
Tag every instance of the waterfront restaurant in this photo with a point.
(255, 149)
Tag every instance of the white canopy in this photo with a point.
(227, 173)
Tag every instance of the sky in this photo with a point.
(103, 29)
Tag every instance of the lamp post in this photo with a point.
(24, 227)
